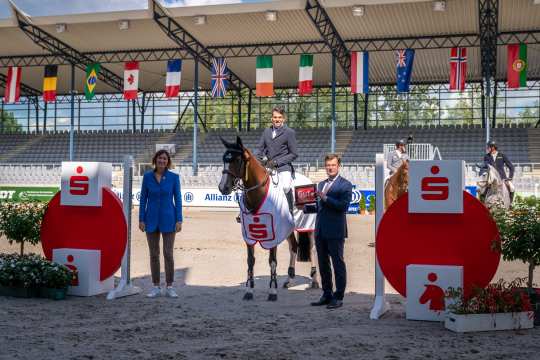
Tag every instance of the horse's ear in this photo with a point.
(224, 141)
(239, 142)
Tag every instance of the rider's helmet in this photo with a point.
(492, 143)
(400, 142)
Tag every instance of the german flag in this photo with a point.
(49, 83)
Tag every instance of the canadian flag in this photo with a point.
(131, 80)
(13, 86)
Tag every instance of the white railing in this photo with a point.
(415, 151)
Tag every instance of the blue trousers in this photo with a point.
(331, 249)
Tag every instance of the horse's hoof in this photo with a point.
(272, 297)
(315, 285)
(248, 296)
(286, 284)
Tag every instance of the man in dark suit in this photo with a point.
(498, 160)
(278, 147)
(334, 196)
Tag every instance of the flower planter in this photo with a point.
(55, 294)
(534, 295)
(362, 212)
(19, 292)
(489, 322)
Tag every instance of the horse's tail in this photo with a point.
(304, 247)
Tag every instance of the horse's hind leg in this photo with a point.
(250, 283)
(313, 272)
(293, 251)
(272, 260)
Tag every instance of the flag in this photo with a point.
(458, 68)
(49, 83)
(92, 71)
(360, 72)
(131, 80)
(220, 77)
(174, 74)
(13, 86)
(517, 66)
(404, 64)
(265, 76)
(305, 77)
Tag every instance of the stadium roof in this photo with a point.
(239, 31)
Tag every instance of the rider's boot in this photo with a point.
(289, 196)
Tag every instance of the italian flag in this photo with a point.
(265, 76)
(305, 77)
(517, 65)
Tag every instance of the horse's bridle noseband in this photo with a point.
(228, 157)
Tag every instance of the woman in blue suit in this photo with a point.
(160, 211)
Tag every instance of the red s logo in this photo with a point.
(258, 231)
(436, 186)
(78, 184)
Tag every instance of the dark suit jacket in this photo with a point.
(331, 220)
(281, 149)
(499, 164)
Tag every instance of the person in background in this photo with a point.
(397, 157)
(498, 160)
(160, 214)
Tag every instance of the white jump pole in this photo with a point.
(380, 306)
(125, 287)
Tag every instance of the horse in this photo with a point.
(492, 189)
(243, 171)
(396, 185)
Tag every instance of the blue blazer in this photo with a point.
(499, 164)
(157, 209)
(331, 220)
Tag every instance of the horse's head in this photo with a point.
(235, 158)
(403, 172)
(489, 177)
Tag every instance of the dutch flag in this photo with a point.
(359, 72)
(172, 83)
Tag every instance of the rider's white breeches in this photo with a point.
(510, 186)
(285, 181)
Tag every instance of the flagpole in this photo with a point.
(488, 103)
(195, 114)
(333, 140)
(71, 150)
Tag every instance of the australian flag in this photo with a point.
(220, 77)
(404, 64)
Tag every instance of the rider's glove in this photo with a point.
(272, 164)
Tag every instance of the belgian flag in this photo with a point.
(49, 83)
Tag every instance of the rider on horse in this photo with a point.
(498, 160)
(277, 147)
(397, 157)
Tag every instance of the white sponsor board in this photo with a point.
(82, 182)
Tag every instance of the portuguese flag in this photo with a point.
(265, 76)
(92, 71)
(517, 65)
(305, 79)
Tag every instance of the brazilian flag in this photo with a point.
(92, 71)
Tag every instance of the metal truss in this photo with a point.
(525, 37)
(25, 89)
(415, 42)
(488, 20)
(326, 28)
(60, 48)
(186, 41)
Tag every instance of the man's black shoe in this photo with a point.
(334, 304)
(322, 301)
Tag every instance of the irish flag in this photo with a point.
(305, 78)
(265, 76)
(517, 65)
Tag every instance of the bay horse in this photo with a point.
(396, 185)
(492, 189)
(243, 171)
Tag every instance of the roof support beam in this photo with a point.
(25, 89)
(186, 41)
(63, 50)
(488, 19)
(331, 37)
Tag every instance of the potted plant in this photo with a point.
(20, 276)
(21, 222)
(362, 205)
(499, 306)
(371, 207)
(519, 230)
(55, 280)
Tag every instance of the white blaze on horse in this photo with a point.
(264, 211)
(492, 189)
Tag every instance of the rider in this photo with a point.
(498, 160)
(278, 147)
(397, 157)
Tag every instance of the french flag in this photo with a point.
(13, 86)
(172, 83)
(359, 72)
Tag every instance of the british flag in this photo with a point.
(220, 77)
(401, 57)
(458, 68)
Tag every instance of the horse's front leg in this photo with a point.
(313, 272)
(293, 252)
(250, 283)
(272, 260)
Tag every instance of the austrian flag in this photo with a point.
(13, 86)
(131, 80)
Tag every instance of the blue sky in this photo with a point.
(63, 7)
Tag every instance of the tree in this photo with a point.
(8, 122)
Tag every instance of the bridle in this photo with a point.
(230, 155)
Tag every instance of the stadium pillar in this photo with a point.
(333, 139)
(102, 112)
(143, 110)
(195, 113)
(36, 105)
(44, 117)
(239, 108)
(482, 103)
(366, 102)
(72, 122)
(355, 111)
(2, 119)
(133, 116)
(494, 116)
(249, 110)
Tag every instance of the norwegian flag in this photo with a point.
(13, 86)
(220, 77)
(458, 68)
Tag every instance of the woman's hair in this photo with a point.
(158, 154)
(279, 110)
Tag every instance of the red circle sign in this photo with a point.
(87, 227)
(465, 239)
